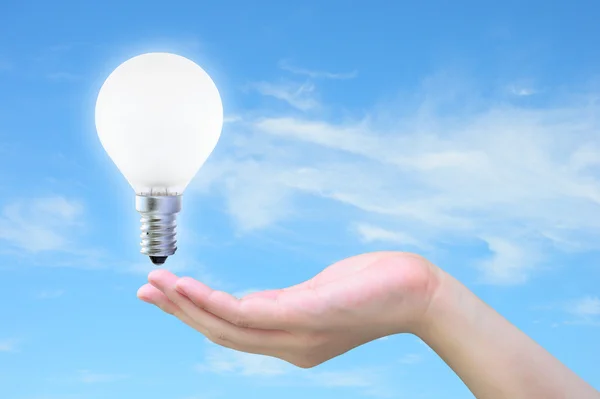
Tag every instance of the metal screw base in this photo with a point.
(158, 225)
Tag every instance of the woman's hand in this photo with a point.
(351, 302)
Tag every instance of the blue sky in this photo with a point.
(469, 133)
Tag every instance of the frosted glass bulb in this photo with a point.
(159, 116)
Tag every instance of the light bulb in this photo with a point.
(159, 117)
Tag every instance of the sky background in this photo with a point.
(467, 132)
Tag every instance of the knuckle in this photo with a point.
(240, 319)
(312, 341)
(303, 365)
(220, 336)
(305, 362)
(174, 312)
(241, 322)
(309, 350)
(296, 359)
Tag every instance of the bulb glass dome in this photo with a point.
(159, 116)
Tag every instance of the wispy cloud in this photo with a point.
(54, 61)
(63, 76)
(40, 224)
(221, 360)
(368, 381)
(174, 264)
(55, 53)
(287, 66)
(225, 361)
(509, 263)
(50, 294)
(370, 233)
(269, 199)
(411, 358)
(521, 91)
(301, 96)
(351, 379)
(585, 307)
(9, 345)
(232, 119)
(89, 377)
(585, 310)
(47, 232)
(521, 181)
(178, 264)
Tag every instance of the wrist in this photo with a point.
(492, 356)
(446, 300)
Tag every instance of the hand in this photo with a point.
(350, 303)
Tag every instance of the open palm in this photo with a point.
(351, 302)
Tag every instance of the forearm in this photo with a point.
(494, 358)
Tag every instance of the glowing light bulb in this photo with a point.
(159, 116)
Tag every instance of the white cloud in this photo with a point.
(41, 224)
(47, 232)
(509, 263)
(586, 307)
(299, 95)
(222, 360)
(370, 233)
(523, 181)
(9, 345)
(287, 66)
(267, 198)
(89, 377)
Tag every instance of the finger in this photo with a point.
(150, 294)
(301, 286)
(271, 294)
(154, 296)
(220, 331)
(254, 311)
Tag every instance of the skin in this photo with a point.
(366, 297)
